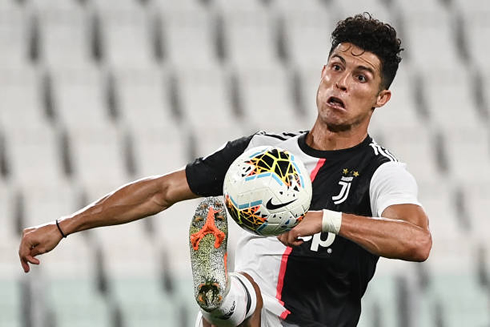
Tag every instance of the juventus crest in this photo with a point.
(345, 183)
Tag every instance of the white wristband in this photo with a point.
(331, 221)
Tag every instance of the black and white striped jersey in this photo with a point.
(321, 282)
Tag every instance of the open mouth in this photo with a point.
(336, 102)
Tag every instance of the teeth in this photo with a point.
(336, 101)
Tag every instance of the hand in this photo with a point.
(35, 241)
(310, 225)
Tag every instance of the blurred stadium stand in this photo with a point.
(97, 93)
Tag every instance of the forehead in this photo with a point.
(357, 57)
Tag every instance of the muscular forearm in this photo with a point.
(387, 237)
(131, 202)
(401, 233)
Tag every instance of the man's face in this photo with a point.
(350, 88)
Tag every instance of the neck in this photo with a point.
(324, 139)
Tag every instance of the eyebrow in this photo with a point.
(360, 67)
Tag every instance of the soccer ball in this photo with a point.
(267, 190)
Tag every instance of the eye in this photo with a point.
(362, 78)
(336, 67)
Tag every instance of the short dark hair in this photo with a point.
(374, 36)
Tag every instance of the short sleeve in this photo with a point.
(392, 184)
(205, 175)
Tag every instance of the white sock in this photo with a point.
(238, 304)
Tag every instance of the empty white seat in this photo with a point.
(74, 259)
(429, 34)
(126, 36)
(111, 4)
(180, 5)
(127, 250)
(65, 33)
(15, 29)
(401, 109)
(291, 6)
(76, 302)
(205, 97)
(98, 157)
(267, 99)
(40, 146)
(477, 197)
(468, 154)
(309, 80)
(159, 150)
(172, 231)
(437, 198)
(230, 5)
(21, 92)
(143, 302)
(80, 96)
(7, 210)
(143, 97)
(46, 203)
(409, 145)
(11, 302)
(375, 7)
(307, 35)
(474, 14)
(449, 98)
(189, 37)
(249, 37)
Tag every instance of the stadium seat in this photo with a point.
(40, 145)
(209, 142)
(142, 97)
(250, 36)
(377, 8)
(80, 96)
(309, 79)
(476, 195)
(402, 109)
(127, 38)
(454, 283)
(15, 35)
(437, 198)
(98, 158)
(189, 37)
(10, 303)
(429, 34)
(65, 33)
(7, 218)
(468, 152)
(45, 203)
(185, 5)
(408, 145)
(21, 91)
(448, 94)
(305, 30)
(474, 15)
(159, 149)
(231, 5)
(204, 95)
(261, 110)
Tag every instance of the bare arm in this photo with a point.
(131, 202)
(402, 232)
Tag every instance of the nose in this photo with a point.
(341, 82)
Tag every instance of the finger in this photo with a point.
(25, 265)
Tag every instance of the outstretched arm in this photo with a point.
(133, 201)
(402, 232)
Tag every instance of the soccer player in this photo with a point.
(364, 204)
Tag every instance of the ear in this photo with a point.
(382, 98)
